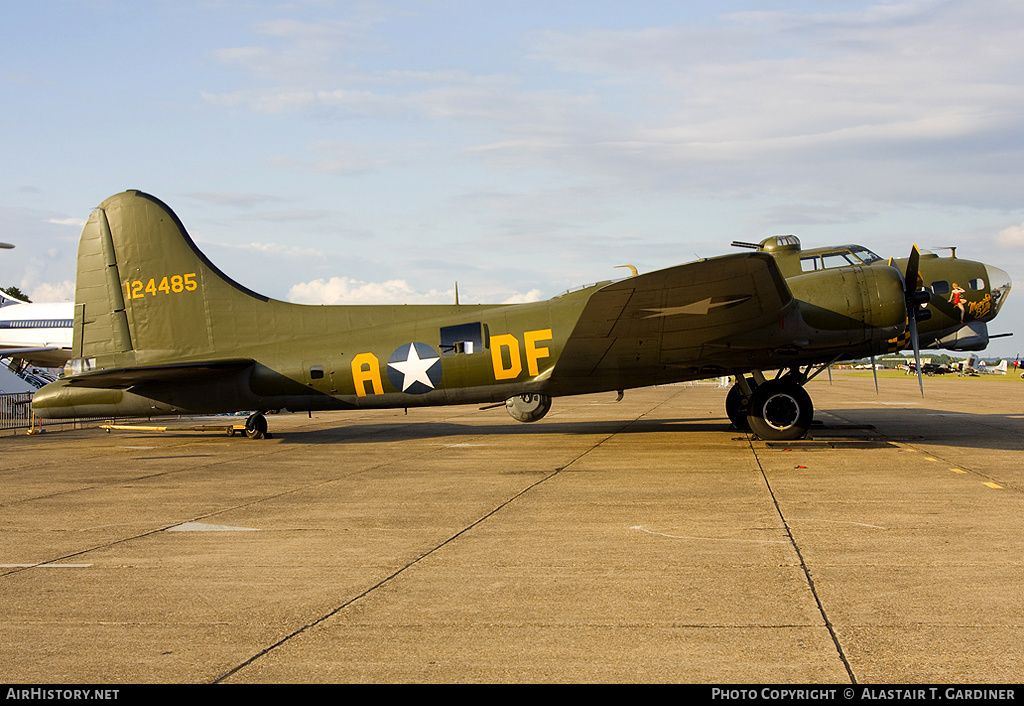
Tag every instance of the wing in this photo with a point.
(647, 329)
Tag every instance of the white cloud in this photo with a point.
(343, 290)
(279, 250)
(285, 99)
(288, 216)
(47, 292)
(1012, 236)
(235, 200)
(879, 103)
(300, 52)
(347, 159)
(534, 295)
(77, 222)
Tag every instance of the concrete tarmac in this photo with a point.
(633, 541)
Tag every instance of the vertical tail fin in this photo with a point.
(145, 293)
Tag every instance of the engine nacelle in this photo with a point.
(527, 408)
(852, 298)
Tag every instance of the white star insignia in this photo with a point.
(414, 368)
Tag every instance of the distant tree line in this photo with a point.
(15, 292)
(937, 358)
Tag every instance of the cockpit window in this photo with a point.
(838, 259)
(866, 256)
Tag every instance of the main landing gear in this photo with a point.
(774, 410)
(528, 408)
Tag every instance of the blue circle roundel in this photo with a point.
(414, 368)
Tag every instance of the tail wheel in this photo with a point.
(780, 411)
(256, 426)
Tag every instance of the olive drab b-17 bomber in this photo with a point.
(159, 330)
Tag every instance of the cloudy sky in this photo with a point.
(372, 152)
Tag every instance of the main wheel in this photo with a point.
(256, 426)
(780, 411)
(736, 408)
(527, 408)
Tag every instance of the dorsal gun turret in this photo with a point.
(776, 244)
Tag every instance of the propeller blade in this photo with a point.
(874, 371)
(915, 298)
(912, 274)
(917, 352)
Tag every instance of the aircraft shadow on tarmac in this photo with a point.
(871, 426)
(420, 430)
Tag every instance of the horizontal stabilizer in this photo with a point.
(126, 377)
(19, 352)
